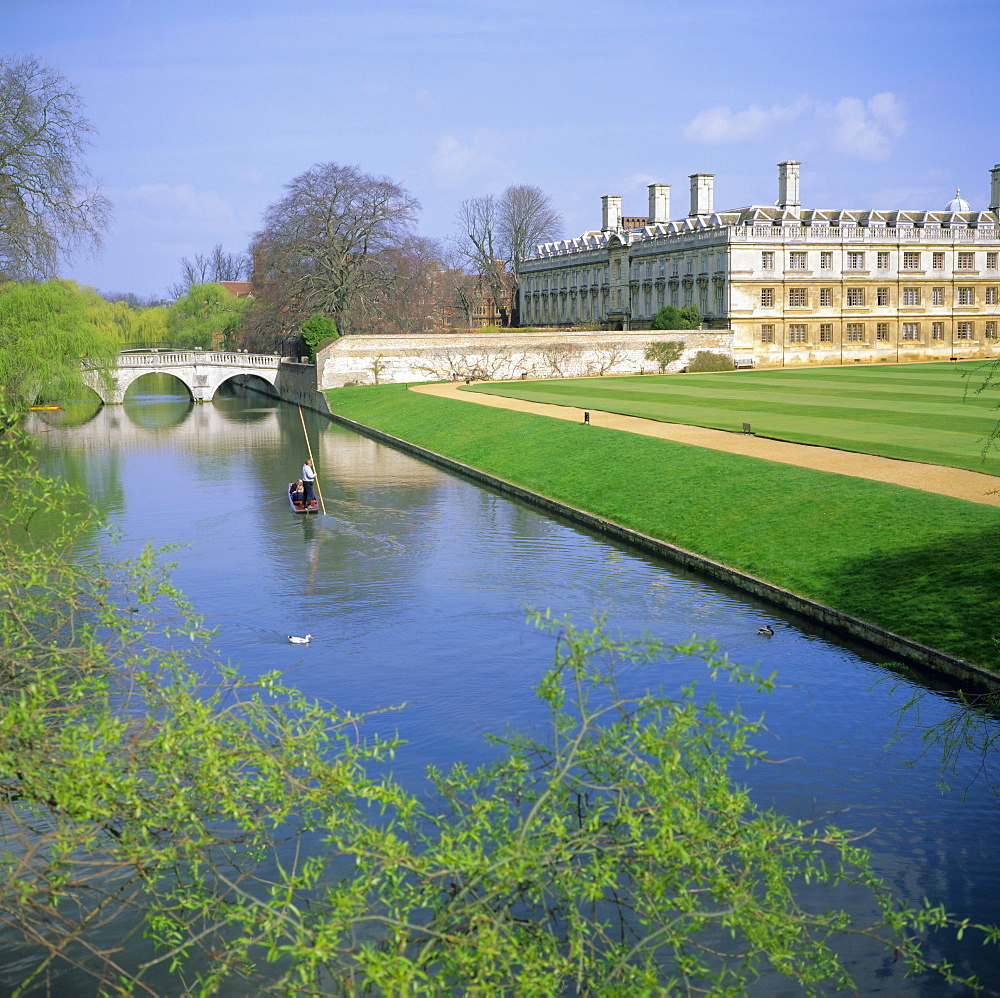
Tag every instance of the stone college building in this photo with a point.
(795, 285)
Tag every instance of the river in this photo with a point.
(415, 588)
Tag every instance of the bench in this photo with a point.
(739, 362)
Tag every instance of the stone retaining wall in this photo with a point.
(897, 647)
(505, 356)
(295, 383)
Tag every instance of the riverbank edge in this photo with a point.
(909, 651)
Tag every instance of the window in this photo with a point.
(720, 301)
(825, 297)
(992, 260)
(937, 330)
(937, 261)
(966, 261)
(767, 334)
(689, 265)
(911, 261)
(796, 260)
(991, 296)
(881, 296)
(882, 331)
(826, 332)
(720, 261)
(937, 296)
(826, 260)
(911, 296)
(855, 261)
(911, 330)
(882, 260)
(663, 268)
(767, 297)
(767, 260)
(797, 333)
(855, 296)
(797, 297)
(990, 330)
(966, 296)
(673, 297)
(963, 330)
(855, 332)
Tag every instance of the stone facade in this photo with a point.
(795, 285)
(506, 356)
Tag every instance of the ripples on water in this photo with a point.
(415, 587)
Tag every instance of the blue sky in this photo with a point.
(203, 110)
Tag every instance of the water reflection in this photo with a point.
(414, 587)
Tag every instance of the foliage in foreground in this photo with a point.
(254, 838)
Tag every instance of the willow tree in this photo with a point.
(48, 340)
(47, 207)
(207, 316)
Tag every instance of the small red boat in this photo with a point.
(297, 504)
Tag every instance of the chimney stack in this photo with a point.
(701, 193)
(788, 185)
(995, 189)
(611, 212)
(659, 203)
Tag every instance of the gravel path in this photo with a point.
(954, 482)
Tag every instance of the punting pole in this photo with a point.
(319, 491)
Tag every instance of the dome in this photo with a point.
(958, 203)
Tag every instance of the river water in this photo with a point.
(415, 588)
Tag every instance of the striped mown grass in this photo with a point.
(919, 564)
(914, 412)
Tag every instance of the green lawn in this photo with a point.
(922, 565)
(915, 412)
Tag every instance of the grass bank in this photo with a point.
(914, 412)
(921, 565)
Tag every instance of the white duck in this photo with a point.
(296, 640)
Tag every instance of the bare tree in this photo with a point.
(479, 244)
(497, 234)
(46, 208)
(211, 268)
(323, 241)
(410, 298)
(527, 218)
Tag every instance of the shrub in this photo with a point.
(664, 353)
(317, 331)
(670, 317)
(708, 360)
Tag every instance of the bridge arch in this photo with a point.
(202, 372)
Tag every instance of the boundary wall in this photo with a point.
(506, 356)
(899, 647)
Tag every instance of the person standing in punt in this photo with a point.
(308, 477)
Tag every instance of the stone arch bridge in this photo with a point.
(201, 371)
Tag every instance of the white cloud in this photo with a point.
(863, 129)
(172, 204)
(720, 125)
(453, 161)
